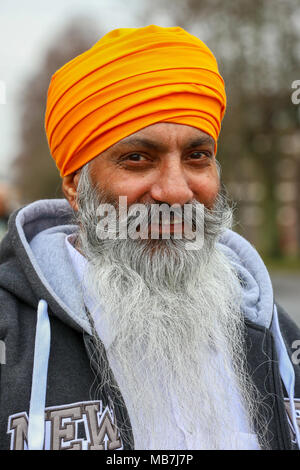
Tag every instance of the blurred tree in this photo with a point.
(35, 173)
(257, 45)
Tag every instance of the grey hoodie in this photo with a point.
(49, 373)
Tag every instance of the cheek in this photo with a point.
(134, 187)
(206, 189)
(115, 182)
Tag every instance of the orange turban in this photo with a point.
(128, 80)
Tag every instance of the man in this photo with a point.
(162, 338)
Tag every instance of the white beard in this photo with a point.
(178, 338)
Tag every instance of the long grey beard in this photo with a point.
(177, 331)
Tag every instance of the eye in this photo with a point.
(134, 161)
(135, 157)
(199, 155)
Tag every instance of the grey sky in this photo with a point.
(27, 29)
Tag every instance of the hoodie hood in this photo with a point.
(258, 298)
(34, 248)
(37, 235)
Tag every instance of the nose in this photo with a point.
(171, 186)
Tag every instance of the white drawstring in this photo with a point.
(36, 421)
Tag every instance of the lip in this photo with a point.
(167, 228)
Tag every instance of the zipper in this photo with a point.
(274, 387)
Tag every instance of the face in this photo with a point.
(162, 163)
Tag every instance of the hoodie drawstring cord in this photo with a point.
(36, 421)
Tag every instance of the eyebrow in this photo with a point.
(198, 141)
(154, 145)
(136, 141)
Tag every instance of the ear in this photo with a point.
(69, 187)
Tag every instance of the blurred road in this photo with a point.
(287, 293)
